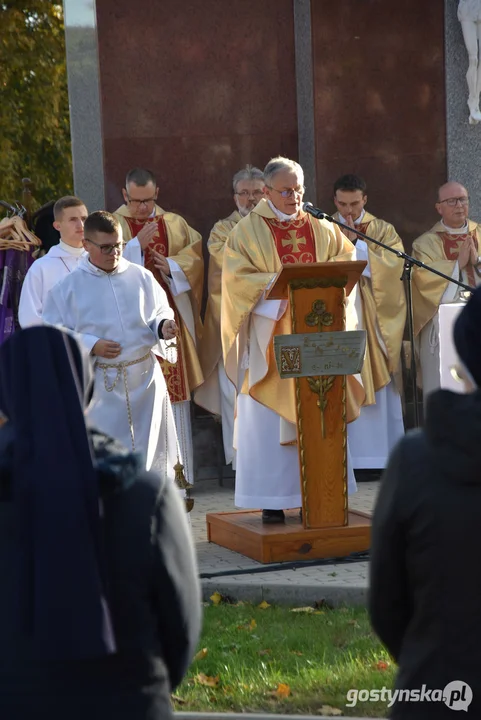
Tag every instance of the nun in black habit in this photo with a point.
(100, 606)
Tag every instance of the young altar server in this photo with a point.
(70, 215)
(120, 315)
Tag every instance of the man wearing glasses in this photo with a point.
(120, 315)
(164, 243)
(217, 393)
(380, 306)
(276, 232)
(452, 246)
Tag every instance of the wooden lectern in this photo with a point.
(316, 294)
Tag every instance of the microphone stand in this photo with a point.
(406, 278)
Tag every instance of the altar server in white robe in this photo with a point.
(275, 233)
(120, 314)
(70, 215)
(379, 303)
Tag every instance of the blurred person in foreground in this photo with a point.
(99, 604)
(425, 572)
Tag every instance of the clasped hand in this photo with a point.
(352, 236)
(161, 264)
(468, 254)
(169, 329)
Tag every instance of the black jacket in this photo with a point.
(425, 597)
(154, 600)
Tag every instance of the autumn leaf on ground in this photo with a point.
(303, 610)
(201, 654)
(216, 598)
(248, 626)
(354, 623)
(263, 605)
(178, 700)
(206, 680)
(381, 665)
(329, 711)
(283, 690)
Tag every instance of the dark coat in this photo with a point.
(154, 600)
(425, 597)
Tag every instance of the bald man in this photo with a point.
(453, 247)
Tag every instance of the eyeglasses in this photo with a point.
(248, 193)
(138, 203)
(300, 190)
(108, 249)
(452, 202)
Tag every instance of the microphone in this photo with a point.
(315, 212)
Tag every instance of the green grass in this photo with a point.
(319, 656)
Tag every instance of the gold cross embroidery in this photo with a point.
(294, 241)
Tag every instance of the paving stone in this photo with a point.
(342, 582)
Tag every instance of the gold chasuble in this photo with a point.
(208, 394)
(383, 307)
(439, 249)
(254, 253)
(176, 240)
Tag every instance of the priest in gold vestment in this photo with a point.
(380, 305)
(452, 246)
(276, 232)
(165, 244)
(217, 393)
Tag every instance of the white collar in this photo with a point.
(91, 269)
(280, 215)
(356, 222)
(76, 252)
(456, 231)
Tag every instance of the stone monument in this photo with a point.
(469, 15)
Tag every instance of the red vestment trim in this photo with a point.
(452, 245)
(175, 374)
(294, 240)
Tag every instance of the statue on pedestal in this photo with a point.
(469, 15)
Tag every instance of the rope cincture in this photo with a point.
(121, 368)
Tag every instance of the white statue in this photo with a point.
(469, 15)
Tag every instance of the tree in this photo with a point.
(34, 111)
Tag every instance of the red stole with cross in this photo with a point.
(452, 245)
(175, 374)
(294, 240)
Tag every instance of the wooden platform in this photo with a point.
(243, 532)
